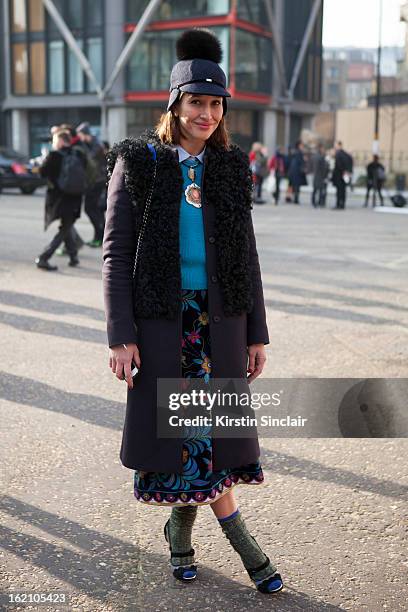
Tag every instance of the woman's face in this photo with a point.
(199, 115)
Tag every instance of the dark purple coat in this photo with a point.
(159, 338)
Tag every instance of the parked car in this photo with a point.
(16, 170)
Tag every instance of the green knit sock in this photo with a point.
(246, 546)
(180, 527)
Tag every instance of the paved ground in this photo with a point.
(332, 512)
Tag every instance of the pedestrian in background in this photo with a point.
(296, 172)
(375, 180)
(289, 187)
(342, 174)
(65, 170)
(259, 166)
(197, 270)
(95, 150)
(278, 167)
(62, 250)
(320, 169)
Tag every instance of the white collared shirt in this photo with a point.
(183, 154)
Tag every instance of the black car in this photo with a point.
(17, 171)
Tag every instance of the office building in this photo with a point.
(45, 85)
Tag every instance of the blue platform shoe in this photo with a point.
(273, 584)
(186, 573)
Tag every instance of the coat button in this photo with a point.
(216, 319)
(211, 239)
(214, 278)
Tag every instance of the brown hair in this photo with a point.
(169, 132)
(64, 135)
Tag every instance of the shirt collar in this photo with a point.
(183, 154)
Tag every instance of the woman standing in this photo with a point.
(195, 308)
(296, 172)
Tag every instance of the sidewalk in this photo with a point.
(331, 513)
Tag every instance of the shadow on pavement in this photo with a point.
(290, 465)
(320, 311)
(48, 305)
(114, 571)
(87, 408)
(105, 413)
(347, 300)
(53, 328)
(338, 283)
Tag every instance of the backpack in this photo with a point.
(348, 162)
(261, 165)
(398, 200)
(72, 178)
(381, 176)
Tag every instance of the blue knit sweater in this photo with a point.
(192, 243)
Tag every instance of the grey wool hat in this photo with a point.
(197, 71)
(84, 128)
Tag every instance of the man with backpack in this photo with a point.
(342, 174)
(96, 183)
(65, 169)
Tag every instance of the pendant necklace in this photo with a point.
(192, 191)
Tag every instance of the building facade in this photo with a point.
(44, 84)
(349, 75)
(334, 84)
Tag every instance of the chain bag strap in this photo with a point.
(146, 209)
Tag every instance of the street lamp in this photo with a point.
(376, 143)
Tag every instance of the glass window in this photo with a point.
(333, 72)
(224, 36)
(75, 73)
(182, 9)
(151, 63)
(74, 15)
(56, 66)
(20, 68)
(36, 12)
(334, 90)
(139, 73)
(94, 55)
(293, 34)
(138, 119)
(252, 10)
(37, 67)
(19, 17)
(94, 12)
(253, 70)
(52, 28)
(243, 127)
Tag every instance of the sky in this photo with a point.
(356, 23)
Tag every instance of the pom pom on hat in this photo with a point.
(199, 43)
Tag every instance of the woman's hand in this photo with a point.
(120, 359)
(257, 358)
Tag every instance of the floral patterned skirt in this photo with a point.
(198, 483)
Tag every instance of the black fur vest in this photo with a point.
(226, 185)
